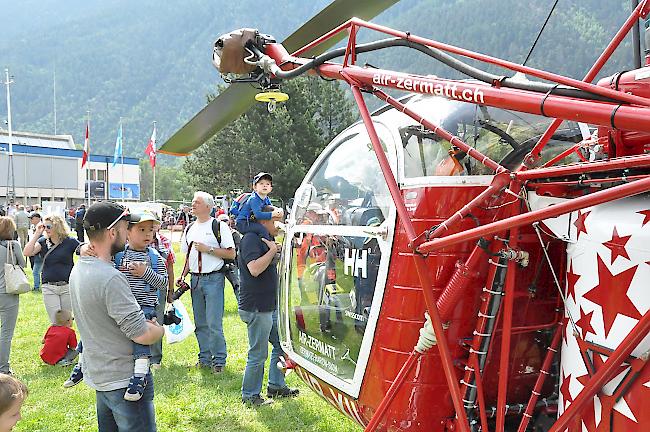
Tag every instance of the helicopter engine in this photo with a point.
(625, 143)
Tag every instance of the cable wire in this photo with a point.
(540, 33)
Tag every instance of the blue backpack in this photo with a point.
(238, 202)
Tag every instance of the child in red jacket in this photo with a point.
(60, 341)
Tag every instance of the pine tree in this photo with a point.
(284, 143)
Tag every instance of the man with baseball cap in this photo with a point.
(109, 321)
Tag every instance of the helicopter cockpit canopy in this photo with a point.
(346, 183)
(335, 266)
(502, 135)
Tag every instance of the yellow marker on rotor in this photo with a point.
(272, 98)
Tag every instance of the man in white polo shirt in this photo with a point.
(206, 254)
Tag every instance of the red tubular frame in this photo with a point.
(552, 349)
(445, 355)
(504, 360)
(602, 91)
(479, 395)
(639, 12)
(392, 391)
(605, 373)
(562, 155)
(633, 118)
(595, 198)
(641, 161)
(587, 182)
(453, 140)
(498, 184)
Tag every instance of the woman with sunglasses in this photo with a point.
(57, 249)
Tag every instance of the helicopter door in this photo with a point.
(335, 266)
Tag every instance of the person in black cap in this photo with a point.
(79, 219)
(251, 211)
(109, 321)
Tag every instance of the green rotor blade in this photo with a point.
(238, 97)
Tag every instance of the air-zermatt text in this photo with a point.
(448, 90)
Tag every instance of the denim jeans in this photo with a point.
(8, 317)
(139, 350)
(36, 270)
(207, 305)
(156, 348)
(114, 414)
(262, 329)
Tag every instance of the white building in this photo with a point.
(48, 167)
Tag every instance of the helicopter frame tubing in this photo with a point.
(619, 111)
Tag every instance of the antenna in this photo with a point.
(11, 195)
(86, 149)
(54, 95)
(154, 167)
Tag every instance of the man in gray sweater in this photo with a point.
(109, 321)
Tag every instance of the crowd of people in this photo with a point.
(118, 289)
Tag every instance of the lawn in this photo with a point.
(186, 399)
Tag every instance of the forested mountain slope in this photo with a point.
(150, 60)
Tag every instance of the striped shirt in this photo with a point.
(145, 288)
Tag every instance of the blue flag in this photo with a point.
(118, 146)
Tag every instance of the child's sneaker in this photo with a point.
(75, 377)
(135, 390)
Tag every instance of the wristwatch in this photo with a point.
(211, 250)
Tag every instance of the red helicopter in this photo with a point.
(474, 256)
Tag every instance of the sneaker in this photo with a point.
(281, 392)
(256, 401)
(75, 377)
(65, 362)
(217, 369)
(135, 390)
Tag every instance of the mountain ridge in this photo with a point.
(147, 61)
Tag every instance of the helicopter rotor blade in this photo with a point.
(239, 97)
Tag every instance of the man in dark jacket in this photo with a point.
(258, 256)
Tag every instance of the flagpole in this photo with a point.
(122, 158)
(11, 195)
(154, 166)
(88, 156)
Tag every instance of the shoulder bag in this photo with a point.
(15, 278)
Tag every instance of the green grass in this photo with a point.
(186, 399)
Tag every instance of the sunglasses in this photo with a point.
(48, 226)
(123, 214)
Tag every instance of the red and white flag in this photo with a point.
(151, 149)
(84, 159)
